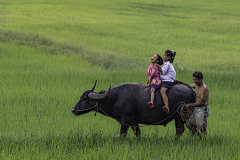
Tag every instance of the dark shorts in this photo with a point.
(167, 84)
(155, 86)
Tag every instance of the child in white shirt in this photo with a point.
(168, 76)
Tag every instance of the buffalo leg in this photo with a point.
(179, 124)
(123, 131)
(136, 129)
(126, 121)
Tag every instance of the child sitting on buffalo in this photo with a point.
(168, 76)
(154, 79)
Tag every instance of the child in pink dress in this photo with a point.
(154, 79)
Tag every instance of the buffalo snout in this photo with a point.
(73, 110)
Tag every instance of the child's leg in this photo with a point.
(165, 99)
(152, 94)
(152, 90)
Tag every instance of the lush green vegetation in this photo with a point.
(51, 52)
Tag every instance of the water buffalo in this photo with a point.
(127, 103)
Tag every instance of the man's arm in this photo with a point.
(189, 85)
(198, 104)
(202, 101)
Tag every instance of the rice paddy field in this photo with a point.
(53, 51)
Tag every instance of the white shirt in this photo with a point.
(168, 72)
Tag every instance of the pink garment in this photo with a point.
(154, 72)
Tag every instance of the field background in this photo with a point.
(53, 51)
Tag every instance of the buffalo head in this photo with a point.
(88, 100)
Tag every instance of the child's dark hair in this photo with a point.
(160, 60)
(198, 75)
(171, 54)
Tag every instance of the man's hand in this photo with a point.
(176, 81)
(188, 106)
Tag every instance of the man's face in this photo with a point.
(197, 81)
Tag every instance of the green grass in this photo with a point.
(51, 52)
(38, 91)
(201, 32)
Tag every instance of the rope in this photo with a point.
(138, 126)
(95, 106)
(182, 110)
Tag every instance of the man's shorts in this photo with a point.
(199, 117)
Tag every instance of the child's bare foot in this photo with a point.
(166, 109)
(151, 104)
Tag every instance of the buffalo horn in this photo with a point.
(94, 86)
(97, 96)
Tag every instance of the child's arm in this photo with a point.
(148, 82)
(165, 68)
(189, 85)
(148, 74)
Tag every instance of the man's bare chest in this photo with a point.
(199, 92)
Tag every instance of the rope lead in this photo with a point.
(182, 110)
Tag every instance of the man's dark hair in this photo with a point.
(198, 75)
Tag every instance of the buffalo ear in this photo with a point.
(94, 86)
(103, 91)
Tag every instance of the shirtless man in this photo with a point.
(198, 120)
